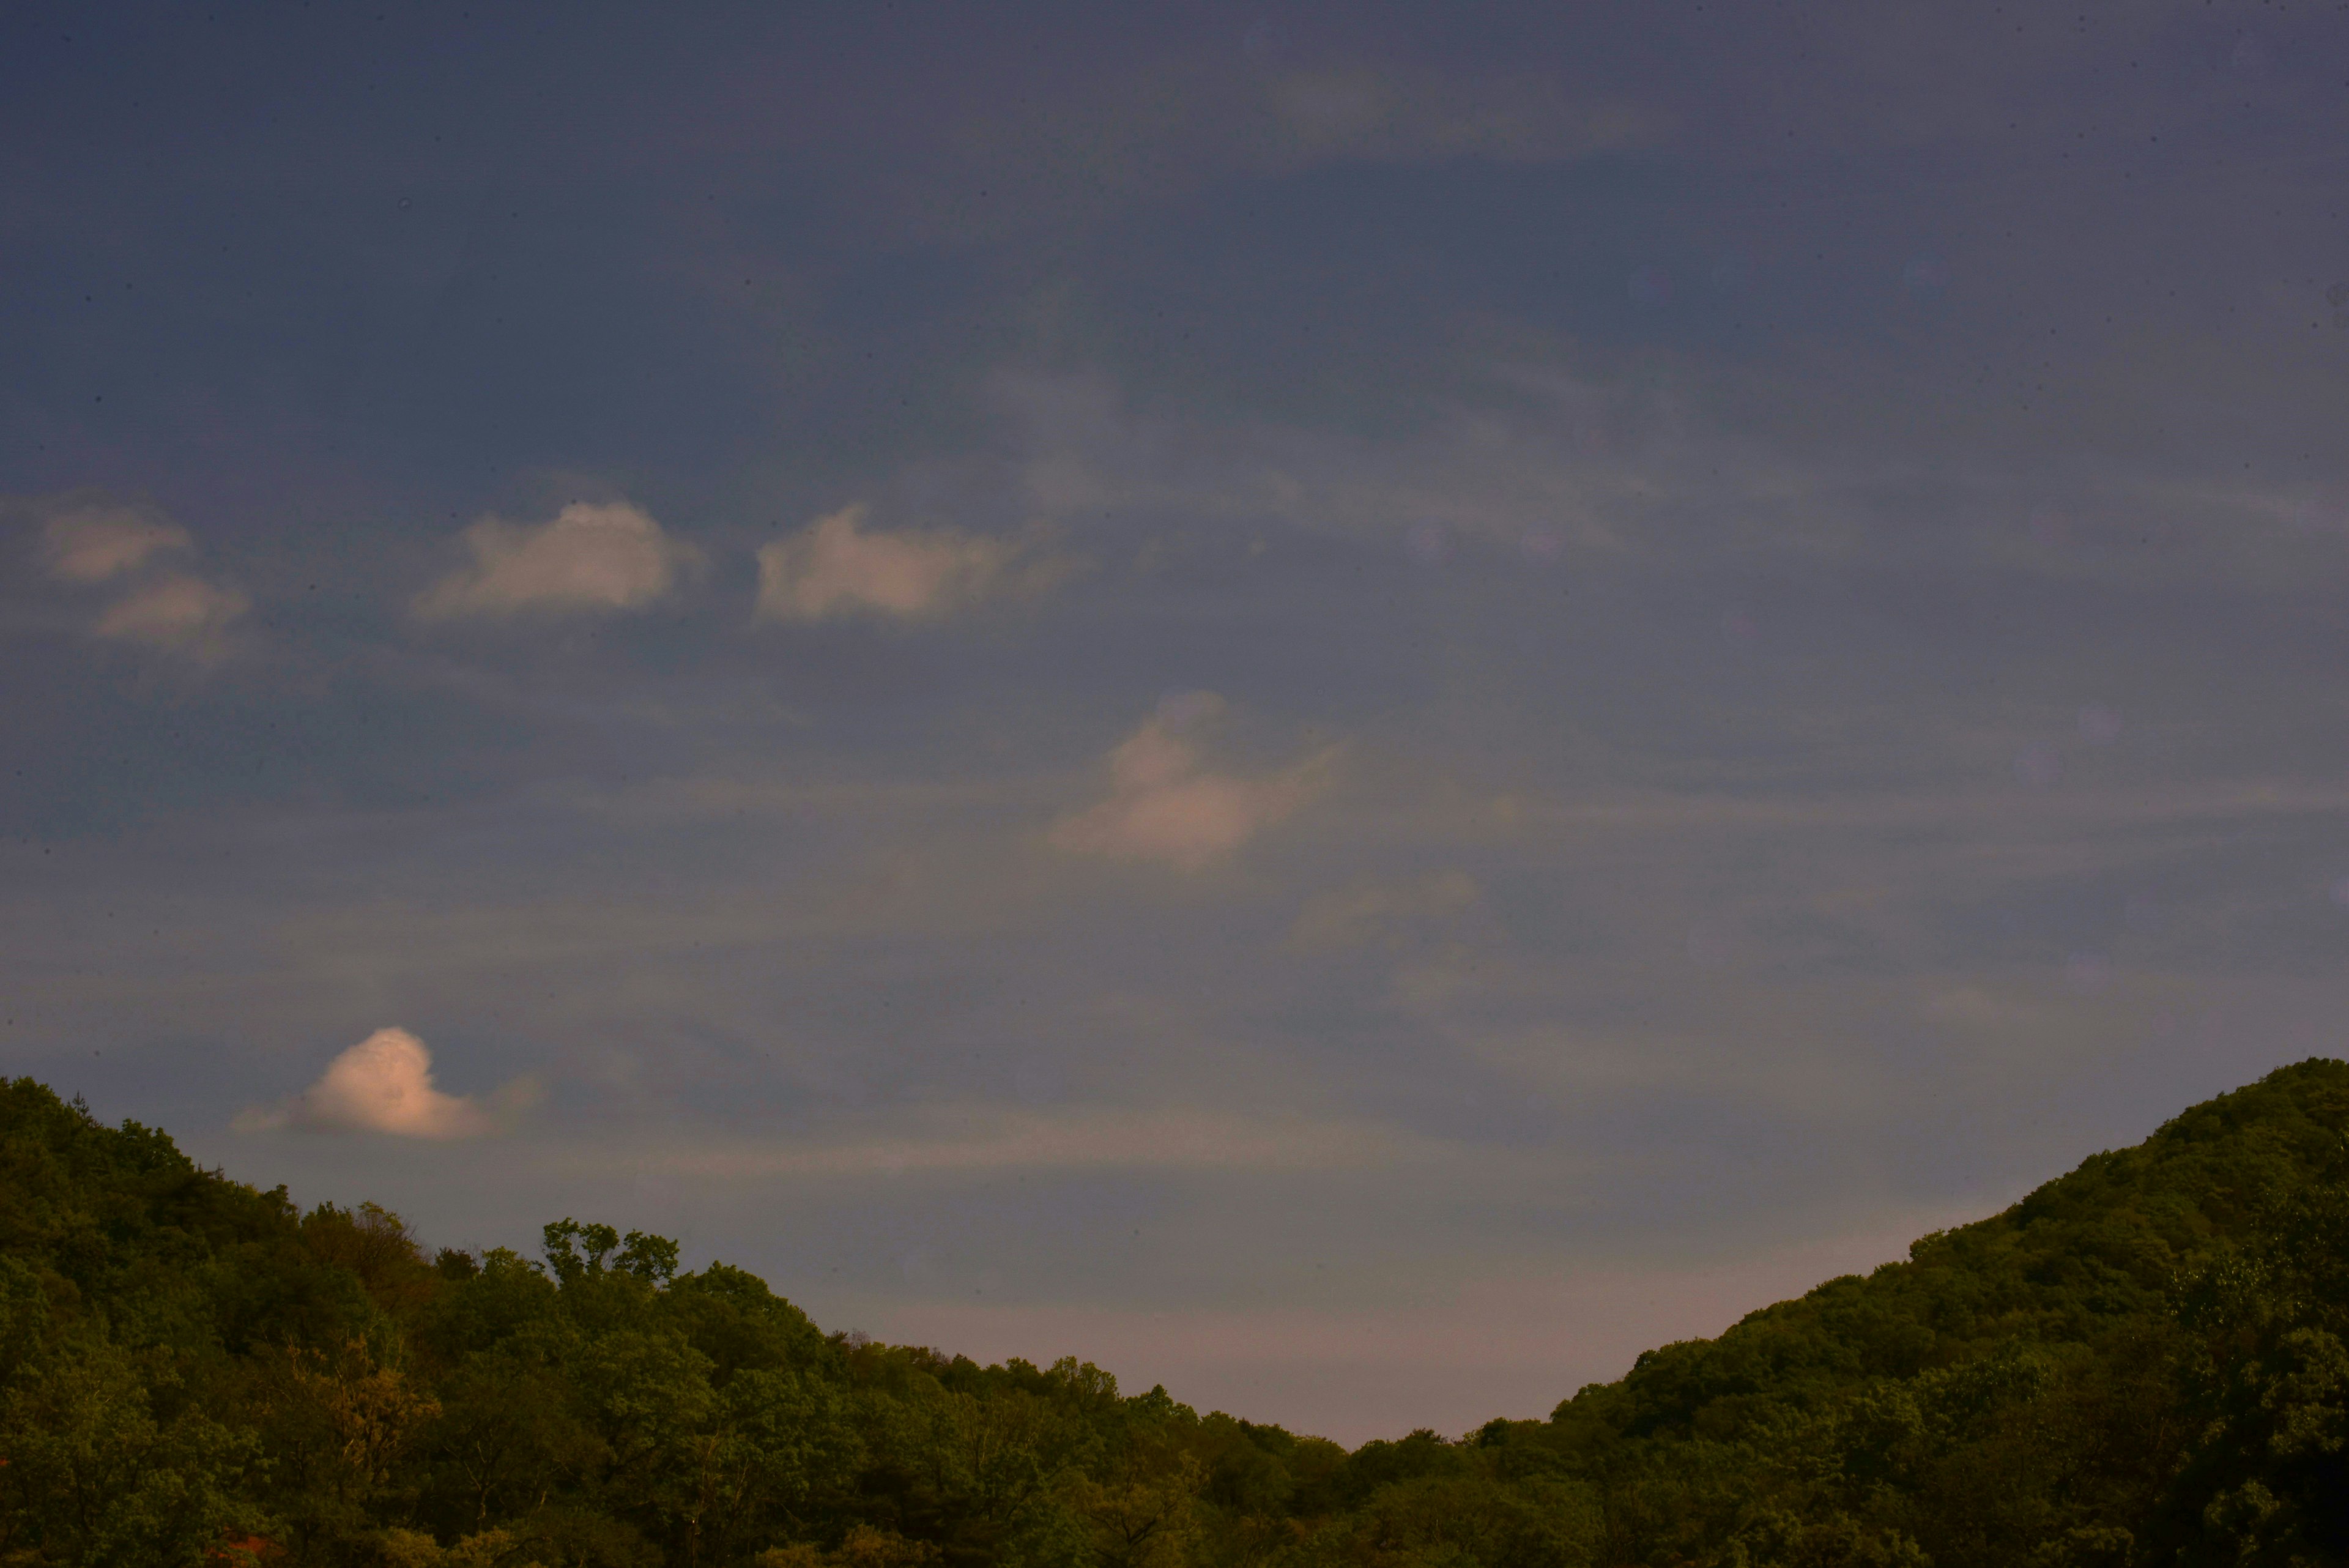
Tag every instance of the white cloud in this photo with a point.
(91, 544)
(180, 613)
(835, 567)
(1166, 805)
(591, 555)
(383, 1084)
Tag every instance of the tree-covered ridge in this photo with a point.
(2143, 1362)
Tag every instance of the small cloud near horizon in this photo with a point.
(837, 566)
(1166, 805)
(384, 1084)
(590, 556)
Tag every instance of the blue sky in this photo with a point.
(1349, 707)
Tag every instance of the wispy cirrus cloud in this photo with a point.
(1166, 804)
(1571, 463)
(590, 558)
(384, 1084)
(1188, 112)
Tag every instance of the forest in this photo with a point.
(2142, 1362)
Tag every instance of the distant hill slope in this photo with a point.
(2143, 1362)
(2041, 1385)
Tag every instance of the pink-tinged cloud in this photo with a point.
(837, 566)
(179, 614)
(91, 544)
(382, 1085)
(591, 557)
(1166, 805)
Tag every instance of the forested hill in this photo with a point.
(2143, 1362)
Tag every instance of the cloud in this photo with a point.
(835, 567)
(591, 555)
(180, 613)
(1557, 465)
(91, 544)
(384, 1083)
(1166, 805)
(1583, 465)
(1057, 155)
(96, 542)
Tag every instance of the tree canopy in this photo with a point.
(2141, 1363)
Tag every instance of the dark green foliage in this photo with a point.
(2145, 1362)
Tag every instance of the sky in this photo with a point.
(1353, 708)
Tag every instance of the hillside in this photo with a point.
(2142, 1362)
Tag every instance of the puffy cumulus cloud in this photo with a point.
(180, 612)
(592, 557)
(92, 544)
(1166, 805)
(384, 1084)
(837, 566)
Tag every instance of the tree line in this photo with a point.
(2141, 1363)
